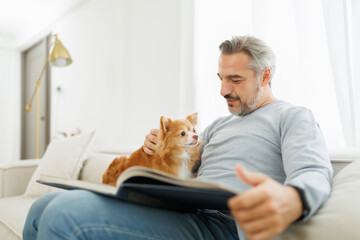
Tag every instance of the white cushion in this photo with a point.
(339, 217)
(95, 166)
(63, 158)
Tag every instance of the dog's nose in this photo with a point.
(195, 137)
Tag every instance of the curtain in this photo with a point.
(295, 30)
(341, 19)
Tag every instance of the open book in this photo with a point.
(154, 188)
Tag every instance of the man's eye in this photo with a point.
(182, 133)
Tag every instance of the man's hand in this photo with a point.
(266, 209)
(151, 141)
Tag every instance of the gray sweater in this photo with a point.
(280, 140)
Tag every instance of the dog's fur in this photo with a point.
(177, 152)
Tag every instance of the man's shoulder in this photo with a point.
(285, 107)
(281, 112)
(294, 115)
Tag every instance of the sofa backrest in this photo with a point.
(340, 157)
(97, 163)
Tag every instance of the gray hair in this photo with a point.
(262, 55)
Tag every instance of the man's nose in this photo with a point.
(226, 88)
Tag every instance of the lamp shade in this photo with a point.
(59, 56)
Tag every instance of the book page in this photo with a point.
(166, 178)
(138, 175)
(77, 184)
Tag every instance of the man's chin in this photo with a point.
(236, 112)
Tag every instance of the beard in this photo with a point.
(247, 107)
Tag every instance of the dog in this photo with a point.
(177, 152)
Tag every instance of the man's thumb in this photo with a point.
(248, 177)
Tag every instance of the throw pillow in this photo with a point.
(63, 158)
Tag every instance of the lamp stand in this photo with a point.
(29, 107)
(60, 57)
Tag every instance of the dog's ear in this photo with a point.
(165, 123)
(192, 118)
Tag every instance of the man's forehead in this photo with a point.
(233, 64)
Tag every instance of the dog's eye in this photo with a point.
(182, 133)
(194, 130)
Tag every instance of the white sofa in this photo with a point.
(14, 178)
(335, 220)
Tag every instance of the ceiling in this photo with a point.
(21, 21)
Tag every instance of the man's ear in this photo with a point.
(266, 77)
(192, 118)
(165, 123)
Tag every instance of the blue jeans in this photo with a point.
(86, 215)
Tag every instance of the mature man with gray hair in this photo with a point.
(269, 151)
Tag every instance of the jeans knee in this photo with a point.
(65, 214)
(34, 214)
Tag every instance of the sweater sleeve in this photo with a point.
(305, 158)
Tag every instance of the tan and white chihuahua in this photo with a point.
(177, 152)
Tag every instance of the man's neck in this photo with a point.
(267, 97)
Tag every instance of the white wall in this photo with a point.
(9, 105)
(127, 61)
(90, 96)
(125, 72)
(151, 66)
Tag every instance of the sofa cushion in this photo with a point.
(63, 158)
(339, 217)
(13, 215)
(95, 166)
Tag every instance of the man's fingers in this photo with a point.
(251, 178)
(266, 229)
(151, 138)
(149, 147)
(246, 200)
(154, 132)
(150, 142)
(267, 208)
(256, 212)
(252, 197)
(147, 150)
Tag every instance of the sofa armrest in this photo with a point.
(15, 176)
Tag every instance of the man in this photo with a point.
(276, 150)
(264, 135)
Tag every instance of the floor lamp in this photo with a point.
(58, 57)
